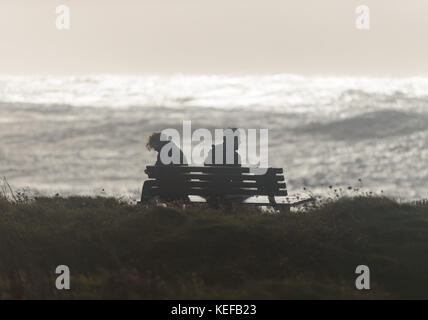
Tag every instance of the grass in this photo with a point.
(118, 250)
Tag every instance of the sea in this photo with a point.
(86, 135)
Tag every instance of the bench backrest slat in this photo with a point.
(219, 177)
(208, 169)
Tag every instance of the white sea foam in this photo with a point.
(284, 93)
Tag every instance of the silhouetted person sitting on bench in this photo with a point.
(172, 154)
(226, 153)
(168, 155)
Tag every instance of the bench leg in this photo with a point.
(282, 209)
(145, 192)
(272, 201)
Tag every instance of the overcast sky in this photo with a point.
(214, 36)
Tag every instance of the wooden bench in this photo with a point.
(218, 185)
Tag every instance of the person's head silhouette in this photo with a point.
(229, 134)
(156, 141)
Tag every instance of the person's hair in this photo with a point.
(153, 140)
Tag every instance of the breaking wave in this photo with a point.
(87, 134)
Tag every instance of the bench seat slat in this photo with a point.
(222, 184)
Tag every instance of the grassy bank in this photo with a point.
(116, 250)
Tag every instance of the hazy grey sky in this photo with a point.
(214, 36)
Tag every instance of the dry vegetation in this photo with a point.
(118, 250)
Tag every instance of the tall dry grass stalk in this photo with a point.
(6, 190)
